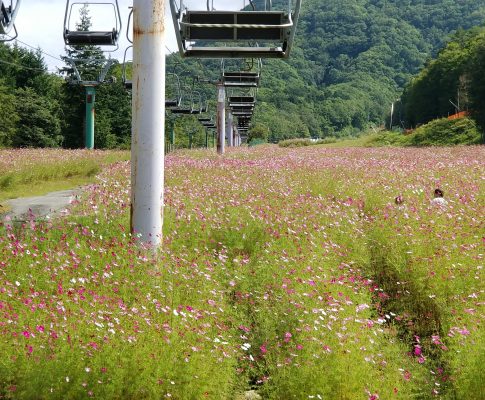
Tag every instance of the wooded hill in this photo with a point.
(351, 61)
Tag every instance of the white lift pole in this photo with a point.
(148, 136)
(221, 118)
(229, 133)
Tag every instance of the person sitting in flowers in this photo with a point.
(439, 199)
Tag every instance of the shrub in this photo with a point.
(440, 132)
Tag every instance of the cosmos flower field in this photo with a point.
(291, 272)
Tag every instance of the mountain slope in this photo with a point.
(351, 61)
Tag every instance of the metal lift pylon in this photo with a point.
(148, 123)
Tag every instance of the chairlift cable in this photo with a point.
(21, 66)
(38, 49)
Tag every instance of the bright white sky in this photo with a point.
(40, 24)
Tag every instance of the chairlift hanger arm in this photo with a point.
(8, 16)
(6, 38)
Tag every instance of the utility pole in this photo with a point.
(229, 130)
(221, 118)
(90, 113)
(148, 123)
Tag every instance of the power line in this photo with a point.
(39, 49)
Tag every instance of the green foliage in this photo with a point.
(259, 132)
(351, 61)
(452, 82)
(443, 132)
(440, 132)
(295, 143)
(8, 117)
(38, 124)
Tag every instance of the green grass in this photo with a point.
(42, 178)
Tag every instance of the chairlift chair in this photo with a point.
(186, 105)
(173, 95)
(240, 79)
(235, 101)
(196, 110)
(128, 83)
(246, 76)
(233, 32)
(75, 37)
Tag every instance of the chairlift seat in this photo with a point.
(204, 119)
(235, 26)
(242, 114)
(95, 38)
(241, 100)
(236, 52)
(185, 111)
(171, 103)
(242, 107)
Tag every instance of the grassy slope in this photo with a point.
(39, 176)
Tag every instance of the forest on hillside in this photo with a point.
(352, 60)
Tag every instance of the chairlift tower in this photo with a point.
(148, 123)
(90, 95)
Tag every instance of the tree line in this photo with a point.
(451, 83)
(352, 60)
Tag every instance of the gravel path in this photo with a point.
(40, 206)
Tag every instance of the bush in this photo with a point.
(440, 132)
(443, 132)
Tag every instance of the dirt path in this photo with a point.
(40, 206)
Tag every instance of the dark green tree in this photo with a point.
(8, 116)
(38, 124)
